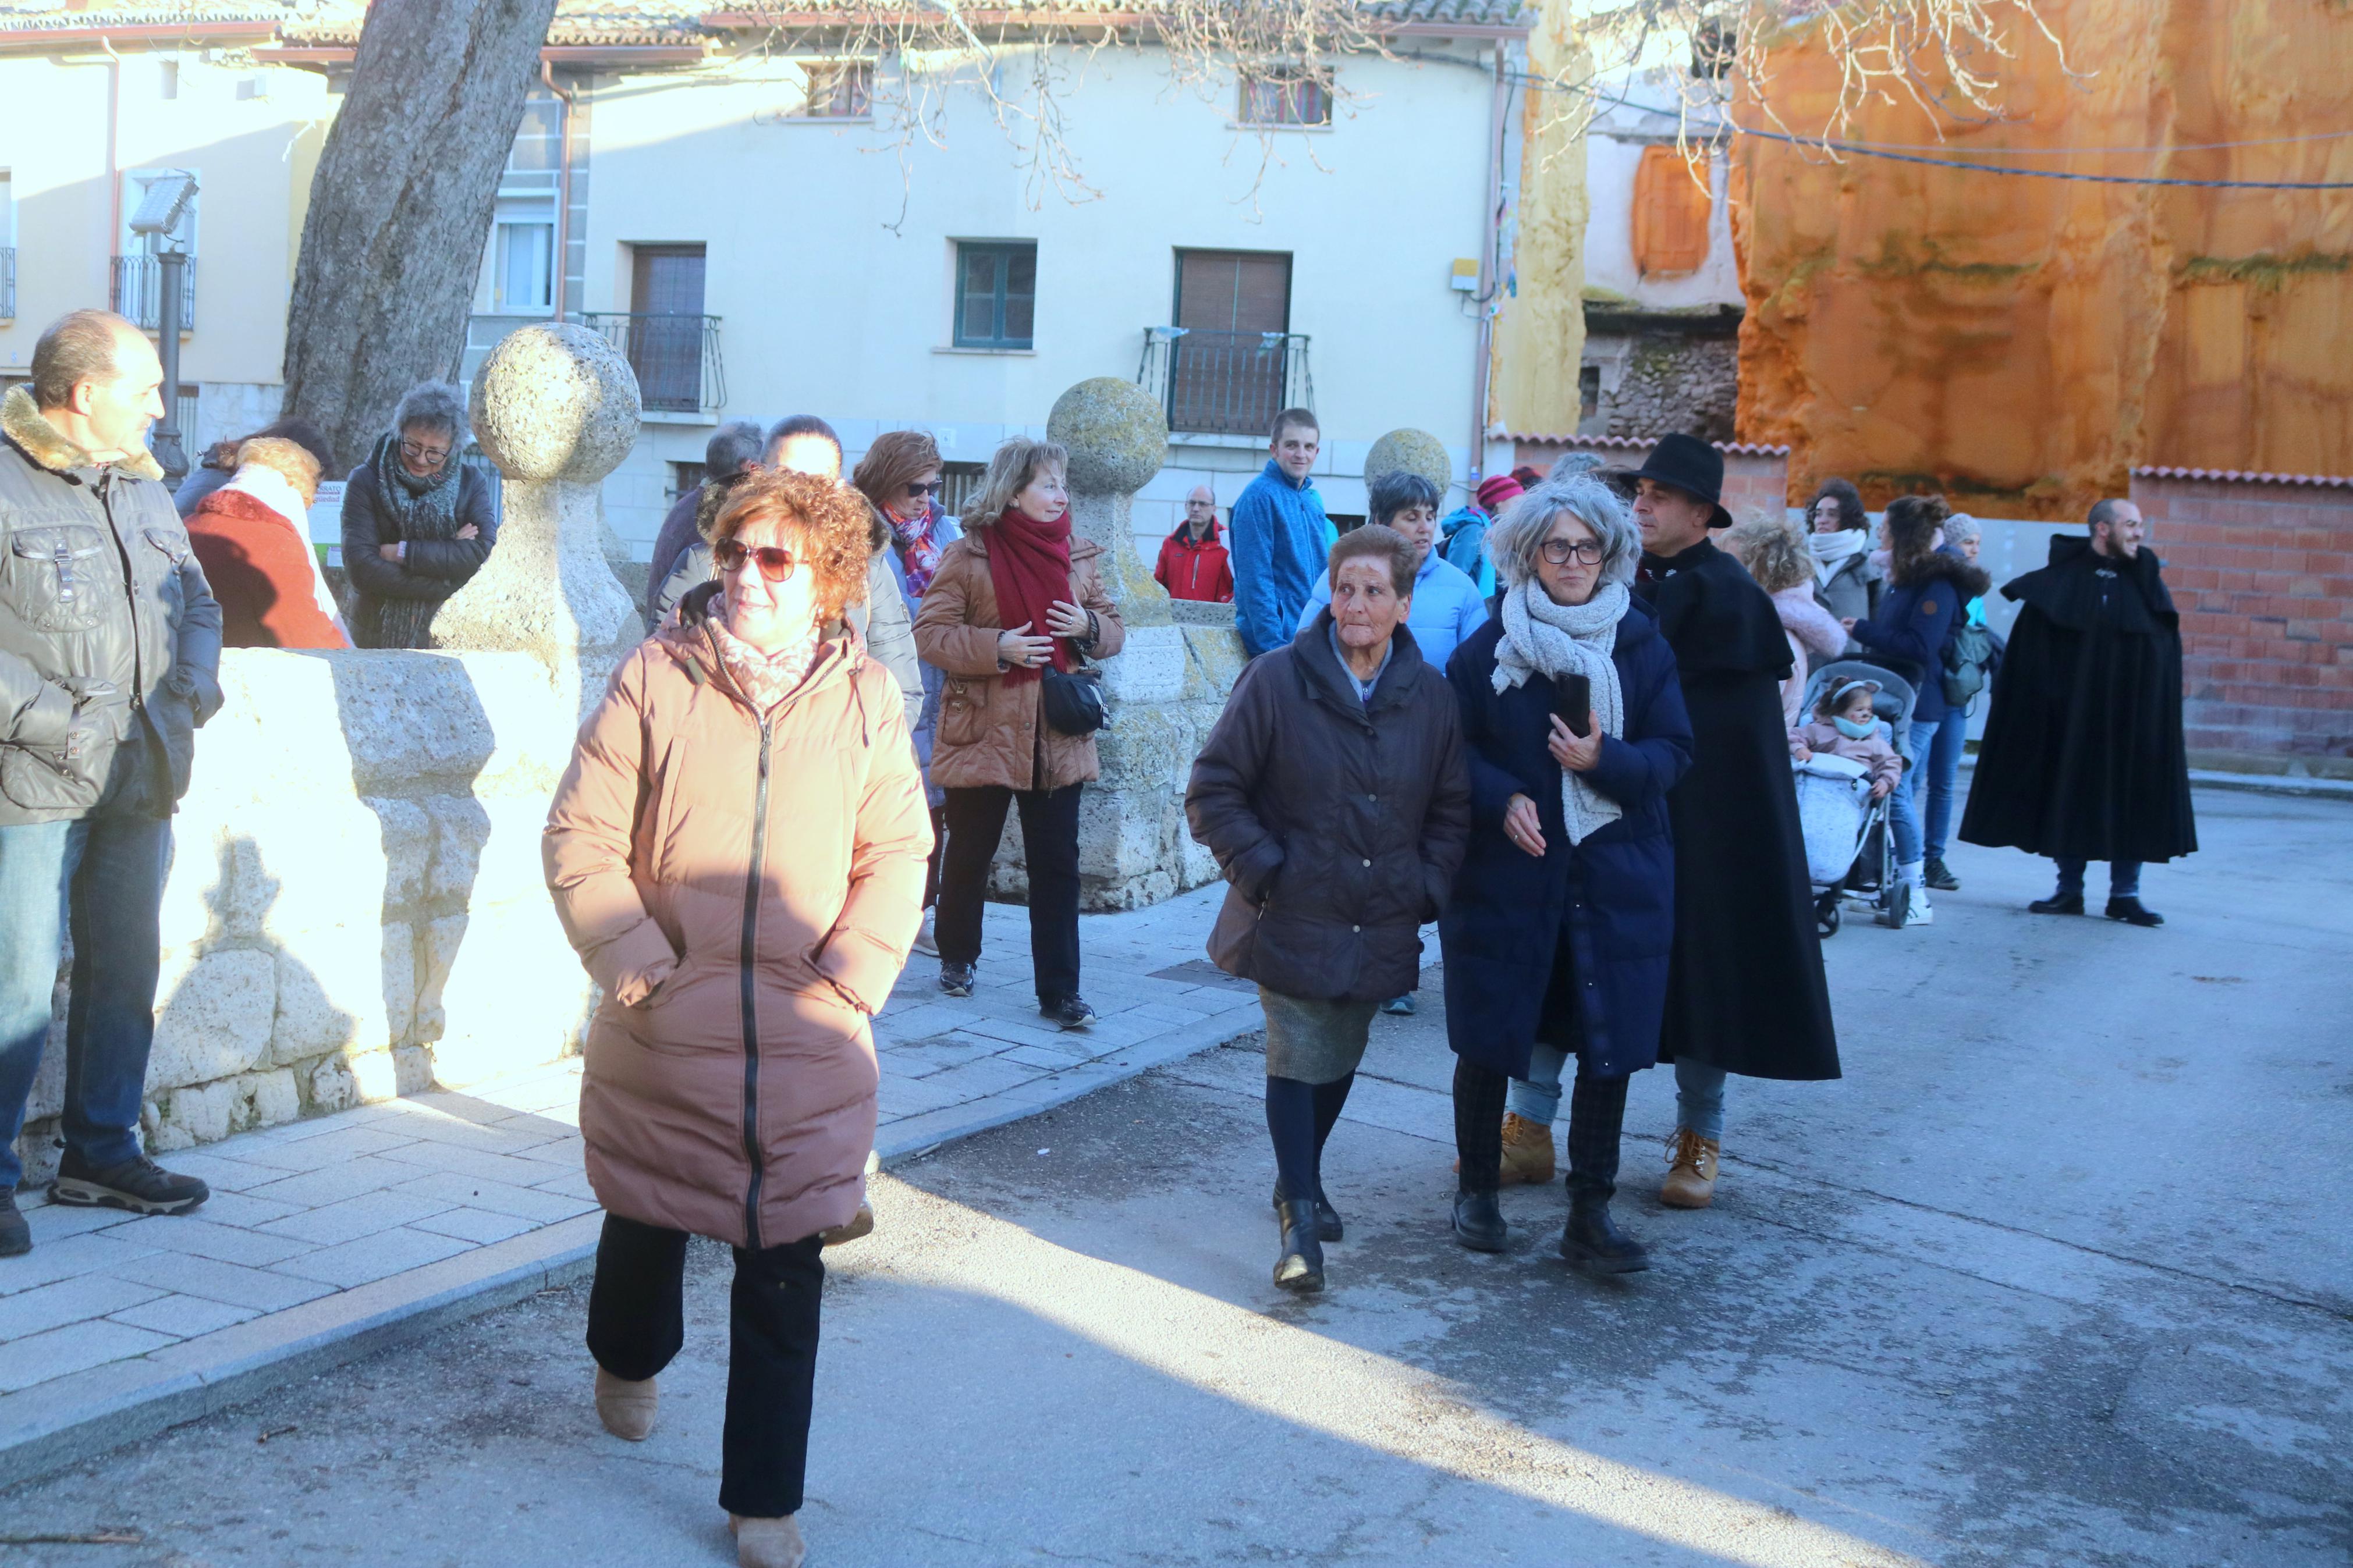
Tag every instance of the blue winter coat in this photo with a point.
(1916, 619)
(1503, 928)
(1280, 541)
(1447, 608)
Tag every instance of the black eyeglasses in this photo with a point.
(918, 492)
(1561, 552)
(775, 563)
(424, 456)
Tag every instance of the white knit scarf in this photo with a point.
(1831, 550)
(1542, 636)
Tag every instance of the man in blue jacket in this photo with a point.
(1279, 536)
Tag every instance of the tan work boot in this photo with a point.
(767, 1542)
(625, 1408)
(1527, 1151)
(1691, 1176)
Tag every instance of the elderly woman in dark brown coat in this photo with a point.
(1334, 795)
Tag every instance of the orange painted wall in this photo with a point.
(2020, 344)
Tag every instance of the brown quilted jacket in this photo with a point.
(989, 733)
(744, 889)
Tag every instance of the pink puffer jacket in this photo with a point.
(744, 889)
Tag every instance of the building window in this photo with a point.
(839, 89)
(1589, 390)
(524, 275)
(683, 478)
(996, 294)
(1671, 214)
(1288, 95)
(7, 248)
(667, 332)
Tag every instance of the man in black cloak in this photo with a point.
(1745, 989)
(2083, 757)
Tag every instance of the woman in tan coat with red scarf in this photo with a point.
(737, 852)
(1016, 595)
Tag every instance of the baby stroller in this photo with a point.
(1849, 849)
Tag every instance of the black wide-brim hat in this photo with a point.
(1691, 465)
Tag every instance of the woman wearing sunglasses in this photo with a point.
(1017, 595)
(737, 854)
(900, 477)
(417, 522)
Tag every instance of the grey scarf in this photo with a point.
(1540, 635)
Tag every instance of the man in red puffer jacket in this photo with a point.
(1193, 560)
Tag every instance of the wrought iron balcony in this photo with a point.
(138, 291)
(7, 283)
(676, 357)
(1225, 383)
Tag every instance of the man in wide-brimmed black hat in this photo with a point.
(1745, 992)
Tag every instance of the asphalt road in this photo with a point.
(2056, 1274)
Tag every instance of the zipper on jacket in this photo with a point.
(749, 984)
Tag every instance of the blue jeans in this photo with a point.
(105, 875)
(1698, 1099)
(1902, 823)
(1699, 1092)
(1936, 745)
(2123, 879)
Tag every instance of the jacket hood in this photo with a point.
(23, 423)
(1944, 566)
(683, 638)
(1183, 536)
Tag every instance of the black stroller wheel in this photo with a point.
(1827, 914)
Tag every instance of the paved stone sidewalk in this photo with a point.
(328, 1239)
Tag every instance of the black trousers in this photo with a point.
(939, 848)
(1049, 842)
(636, 1323)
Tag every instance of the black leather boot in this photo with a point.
(1479, 1222)
(2057, 904)
(1594, 1242)
(1327, 1218)
(1301, 1266)
(2132, 911)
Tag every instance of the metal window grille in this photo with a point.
(7, 282)
(1286, 96)
(137, 292)
(1225, 383)
(839, 89)
(676, 357)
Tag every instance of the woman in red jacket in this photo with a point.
(253, 537)
(1193, 561)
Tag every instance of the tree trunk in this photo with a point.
(401, 205)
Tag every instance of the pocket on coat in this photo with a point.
(50, 577)
(964, 711)
(60, 778)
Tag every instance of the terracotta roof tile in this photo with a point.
(2234, 476)
(1629, 443)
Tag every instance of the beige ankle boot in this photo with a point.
(767, 1542)
(625, 1408)
(1527, 1151)
(1692, 1163)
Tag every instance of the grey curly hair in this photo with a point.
(1517, 535)
(436, 406)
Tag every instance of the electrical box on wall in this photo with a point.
(1466, 276)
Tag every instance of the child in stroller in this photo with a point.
(1852, 795)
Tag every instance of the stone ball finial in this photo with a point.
(555, 402)
(1117, 434)
(1416, 451)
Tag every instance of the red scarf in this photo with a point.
(1029, 567)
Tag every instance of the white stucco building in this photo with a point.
(742, 210)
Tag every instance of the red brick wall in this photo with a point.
(2263, 572)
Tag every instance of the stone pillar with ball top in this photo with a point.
(555, 408)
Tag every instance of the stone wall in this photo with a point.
(2262, 569)
(355, 907)
(1655, 382)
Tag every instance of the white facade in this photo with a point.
(833, 272)
(1643, 115)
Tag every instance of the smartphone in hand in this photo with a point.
(1573, 701)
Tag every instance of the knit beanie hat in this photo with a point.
(1494, 492)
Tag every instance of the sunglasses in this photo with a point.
(775, 563)
(918, 492)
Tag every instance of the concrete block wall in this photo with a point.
(2262, 569)
(355, 907)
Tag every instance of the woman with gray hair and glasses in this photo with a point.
(1558, 935)
(417, 522)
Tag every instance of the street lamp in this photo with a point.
(160, 211)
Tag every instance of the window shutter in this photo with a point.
(1671, 214)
